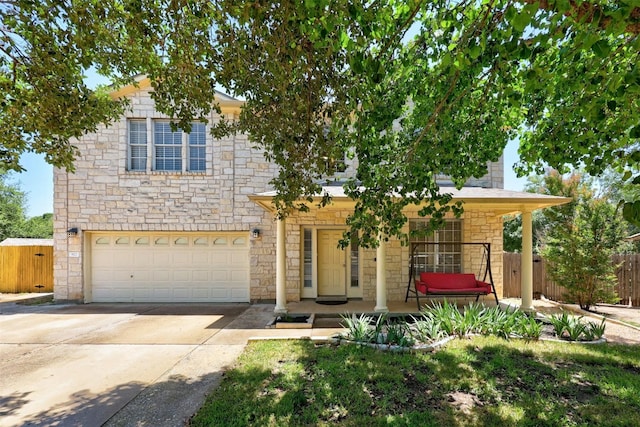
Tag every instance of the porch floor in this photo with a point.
(358, 307)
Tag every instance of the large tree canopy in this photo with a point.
(411, 89)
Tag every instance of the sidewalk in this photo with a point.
(25, 298)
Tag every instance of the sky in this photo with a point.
(37, 180)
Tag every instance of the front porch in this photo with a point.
(383, 271)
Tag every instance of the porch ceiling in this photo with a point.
(503, 202)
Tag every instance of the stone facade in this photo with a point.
(477, 226)
(103, 195)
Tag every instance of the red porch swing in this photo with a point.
(440, 283)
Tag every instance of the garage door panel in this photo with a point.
(187, 267)
(141, 275)
(200, 256)
(161, 275)
(162, 294)
(160, 257)
(237, 258)
(200, 276)
(181, 258)
(182, 276)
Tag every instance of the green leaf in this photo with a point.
(631, 212)
(601, 48)
(520, 21)
(474, 51)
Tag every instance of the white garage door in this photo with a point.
(177, 267)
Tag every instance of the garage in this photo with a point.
(169, 267)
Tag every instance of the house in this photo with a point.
(163, 216)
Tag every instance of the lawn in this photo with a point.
(482, 381)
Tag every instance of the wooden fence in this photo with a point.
(26, 269)
(628, 278)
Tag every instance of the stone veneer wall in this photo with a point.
(478, 226)
(103, 196)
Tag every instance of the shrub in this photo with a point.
(529, 328)
(426, 329)
(579, 253)
(358, 328)
(573, 328)
(594, 331)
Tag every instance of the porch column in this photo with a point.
(381, 277)
(281, 273)
(526, 263)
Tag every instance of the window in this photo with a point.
(308, 254)
(172, 151)
(444, 255)
(168, 147)
(197, 139)
(355, 263)
(137, 145)
(335, 165)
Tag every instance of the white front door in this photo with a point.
(332, 264)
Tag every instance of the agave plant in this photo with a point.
(358, 328)
(594, 331)
(560, 323)
(447, 315)
(576, 329)
(529, 328)
(399, 334)
(426, 329)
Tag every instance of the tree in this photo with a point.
(412, 89)
(38, 227)
(575, 186)
(12, 203)
(579, 253)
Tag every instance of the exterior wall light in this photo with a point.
(255, 233)
(72, 232)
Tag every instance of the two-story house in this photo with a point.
(153, 215)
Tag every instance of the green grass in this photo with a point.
(483, 381)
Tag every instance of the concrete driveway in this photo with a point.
(119, 364)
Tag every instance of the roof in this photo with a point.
(633, 237)
(26, 242)
(228, 104)
(504, 202)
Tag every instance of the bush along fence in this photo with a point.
(628, 274)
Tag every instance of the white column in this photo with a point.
(526, 280)
(281, 267)
(381, 277)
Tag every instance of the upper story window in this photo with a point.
(173, 151)
(168, 147)
(197, 140)
(137, 145)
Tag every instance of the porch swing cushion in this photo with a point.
(451, 284)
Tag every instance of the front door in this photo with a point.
(332, 264)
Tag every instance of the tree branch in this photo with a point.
(588, 12)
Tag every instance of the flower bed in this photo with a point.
(439, 323)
